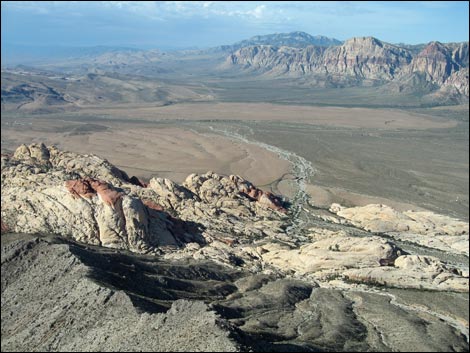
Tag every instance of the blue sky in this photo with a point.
(181, 24)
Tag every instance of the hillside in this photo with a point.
(216, 264)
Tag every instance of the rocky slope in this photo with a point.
(360, 61)
(87, 298)
(34, 91)
(92, 315)
(439, 61)
(222, 240)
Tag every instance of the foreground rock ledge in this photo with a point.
(60, 295)
(224, 219)
(209, 266)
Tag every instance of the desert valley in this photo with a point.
(287, 192)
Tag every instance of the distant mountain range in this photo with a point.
(21, 54)
(293, 39)
(364, 61)
(436, 71)
(28, 54)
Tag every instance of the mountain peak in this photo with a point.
(292, 39)
(365, 40)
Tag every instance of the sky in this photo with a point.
(199, 24)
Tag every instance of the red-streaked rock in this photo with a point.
(80, 188)
(152, 205)
(106, 192)
(89, 187)
(5, 228)
(265, 198)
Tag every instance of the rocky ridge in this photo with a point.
(86, 198)
(222, 218)
(116, 320)
(293, 39)
(222, 240)
(81, 297)
(361, 61)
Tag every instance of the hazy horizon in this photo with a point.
(203, 24)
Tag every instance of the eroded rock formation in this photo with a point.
(365, 61)
(88, 199)
(220, 240)
(225, 219)
(424, 228)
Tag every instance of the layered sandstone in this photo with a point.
(224, 219)
(423, 227)
(364, 61)
(86, 198)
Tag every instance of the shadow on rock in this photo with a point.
(153, 284)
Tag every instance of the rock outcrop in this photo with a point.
(365, 61)
(454, 87)
(214, 265)
(359, 58)
(224, 219)
(439, 61)
(424, 228)
(412, 271)
(86, 198)
(333, 256)
(59, 295)
(366, 58)
(89, 187)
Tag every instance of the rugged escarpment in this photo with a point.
(364, 61)
(128, 249)
(87, 199)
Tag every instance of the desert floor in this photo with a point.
(359, 155)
